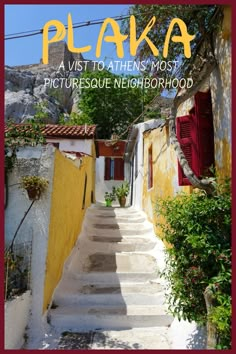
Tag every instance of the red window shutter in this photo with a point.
(196, 136)
(203, 111)
(186, 134)
(107, 175)
(119, 169)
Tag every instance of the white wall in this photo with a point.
(103, 186)
(138, 180)
(138, 153)
(28, 163)
(41, 223)
(78, 145)
(36, 225)
(16, 319)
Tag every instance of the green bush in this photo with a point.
(198, 228)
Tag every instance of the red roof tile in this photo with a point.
(64, 131)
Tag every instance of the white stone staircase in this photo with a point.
(111, 280)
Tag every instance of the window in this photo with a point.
(114, 169)
(196, 136)
(150, 168)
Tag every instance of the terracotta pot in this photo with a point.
(122, 201)
(33, 193)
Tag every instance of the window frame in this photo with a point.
(199, 137)
(114, 169)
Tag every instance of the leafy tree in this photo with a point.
(197, 19)
(74, 119)
(112, 108)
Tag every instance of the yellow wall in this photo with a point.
(165, 172)
(66, 215)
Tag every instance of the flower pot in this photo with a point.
(122, 201)
(33, 193)
(108, 203)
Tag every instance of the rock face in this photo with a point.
(25, 89)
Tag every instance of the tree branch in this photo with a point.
(203, 67)
(211, 329)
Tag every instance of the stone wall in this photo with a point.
(57, 53)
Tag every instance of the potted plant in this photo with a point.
(34, 186)
(122, 192)
(110, 197)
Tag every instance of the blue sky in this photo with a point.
(33, 17)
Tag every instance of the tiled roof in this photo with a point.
(64, 131)
(70, 131)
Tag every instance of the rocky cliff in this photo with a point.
(25, 89)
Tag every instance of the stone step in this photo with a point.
(121, 244)
(113, 212)
(108, 299)
(122, 226)
(120, 263)
(124, 230)
(113, 278)
(116, 267)
(127, 209)
(109, 317)
(70, 286)
(113, 219)
(109, 282)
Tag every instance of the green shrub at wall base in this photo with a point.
(199, 229)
